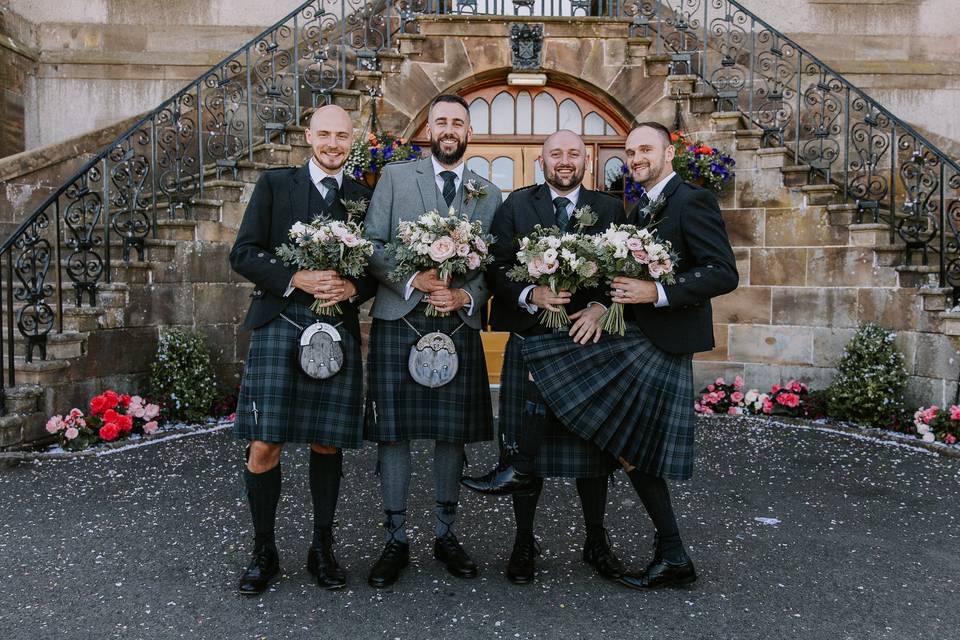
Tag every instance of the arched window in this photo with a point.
(524, 113)
(570, 116)
(544, 113)
(502, 114)
(480, 116)
(593, 124)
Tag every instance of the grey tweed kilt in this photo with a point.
(561, 452)
(291, 406)
(400, 409)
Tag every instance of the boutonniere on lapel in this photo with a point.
(473, 190)
(649, 212)
(585, 217)
(356, 209)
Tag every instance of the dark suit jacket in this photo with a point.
(281, 198)
(517, 216)
(705, 268)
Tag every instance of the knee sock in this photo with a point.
(525, 509)
(533, 430)
(324, 489)
(263, 494)
(394, 485)
(655, 496)
(593, 501)
(447, 469)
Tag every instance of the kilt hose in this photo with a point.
(290, 405)
(561, 453)
(624, 394)
(398, 408)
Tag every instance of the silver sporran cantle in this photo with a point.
(321, 351)
(433, 360)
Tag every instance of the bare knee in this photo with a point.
(319, 448)
(263, 456)
(626, 465)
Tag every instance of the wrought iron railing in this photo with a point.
(168, 158)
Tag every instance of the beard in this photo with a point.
(650, 175)
(448, 158)
(554, 180)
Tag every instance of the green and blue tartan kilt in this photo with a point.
(290, 405)
(400, 409)
(561, 452)
(624, 393)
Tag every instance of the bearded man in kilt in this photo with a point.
(633, 395)
(398, 408)
(535, 445)
(278, 402)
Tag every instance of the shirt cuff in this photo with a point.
(522, 301)
(290, 288)
(661, 296)
(593, 302)
(469, 307)
(408, 291)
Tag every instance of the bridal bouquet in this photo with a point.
(453, 245)
(325, 244)
(627, 250)
(560, 261)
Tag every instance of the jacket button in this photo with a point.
(682, 279)
(273, 261)
(260, 255)
(696, 273)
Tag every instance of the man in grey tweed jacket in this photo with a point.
(398, 408)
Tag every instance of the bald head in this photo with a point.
(564, 159)
(330, 135)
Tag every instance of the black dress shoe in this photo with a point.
(501, 482)
(522, 567)
(264, 567)
(661, 573)
(386, 571)
(448, 551)
(599, 555)
(322, 563)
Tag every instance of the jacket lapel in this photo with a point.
(428, 186)
(544, 207)
(666, 193)
(467, 207)
(300, 196)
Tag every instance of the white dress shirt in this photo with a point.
(437, 168)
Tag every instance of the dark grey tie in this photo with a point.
(563, 218)
(332, 191)
(643, 203)
(449, 186)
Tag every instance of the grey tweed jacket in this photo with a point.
(406, 191)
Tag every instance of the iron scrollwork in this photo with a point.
(84, 264)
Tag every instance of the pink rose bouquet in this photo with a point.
(453, 245)
(627, 250)
(561, 261)
(332, 245)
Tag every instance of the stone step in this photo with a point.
(60, 346)
(820, 194)
(748, 139)
(773, 157)
(86, 319)
(272, 153)
(177, 229)
(935, 298)
(870, 235)
(19, 429)
(40, 372)
(917, 276)
(155, 250)
(23, 399)
(795, 175)
(950, 322)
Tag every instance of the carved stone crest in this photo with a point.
(526, 42)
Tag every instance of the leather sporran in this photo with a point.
(433, 360)
(320, 351)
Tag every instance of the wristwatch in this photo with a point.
(529, 298)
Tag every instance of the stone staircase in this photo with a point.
(809, 274)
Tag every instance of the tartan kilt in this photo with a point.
(625, 394)
(398, 408)
(291, 406)
(561, 452)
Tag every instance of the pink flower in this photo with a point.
(150, 427)
(536, 268)
(710, 387)
(738, 383)
(767, 406)
(350, 240)
(473, 260)
(950, 438)
(656, 269)
(788, 399)
(707, 411)
(551, 267)
(442, 249)
(775, 388)
(634, 244)
(71, 433)
(463, 250)
(736, 396)
(480, 245)
(954, 412)
(75, 413)
(136, 411)
(55, 424)
(720, 381)
(640, 256)
(735, 411)
(697, 407)
(151, 411)
(721, 394)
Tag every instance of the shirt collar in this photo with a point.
(573, 196)
(317, 174)
(660, 186)
(437, 168)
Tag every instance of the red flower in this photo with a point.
(109, 432)
(950, 438)
(110, 415)
(788, 399)
(125, 400)
(99, 404)
(775, 388)
(125, 423)
(112, 397)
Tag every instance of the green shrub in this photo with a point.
(181, 377)
(870, 379)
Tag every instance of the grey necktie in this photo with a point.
(332, 191)
(563, 218)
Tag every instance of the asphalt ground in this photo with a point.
(796, 533)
